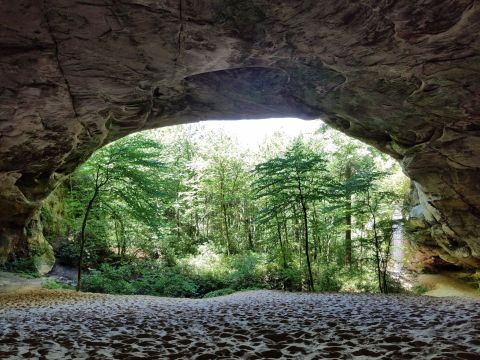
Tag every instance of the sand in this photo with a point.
(12, 282)
(50, 324)
(447, 284)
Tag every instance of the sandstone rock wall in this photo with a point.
(401, 75)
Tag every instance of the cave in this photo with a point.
(403, 76)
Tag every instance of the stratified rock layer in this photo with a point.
(401, 75)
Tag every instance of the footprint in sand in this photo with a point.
(247, 325)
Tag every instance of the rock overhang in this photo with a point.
(403, 76)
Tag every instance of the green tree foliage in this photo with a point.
(377, 204)
(290, 182)
(185, 213)
(119, 184)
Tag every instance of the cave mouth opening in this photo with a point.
(207, 197)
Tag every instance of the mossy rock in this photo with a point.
(39, 249)
(43, 257)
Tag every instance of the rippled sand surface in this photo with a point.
(249, 325)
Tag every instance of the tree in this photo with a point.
(298, 178)
(98, 185)
(349, 158)
(122, 177)
(312, 209)
(379, 205)
(224, 184)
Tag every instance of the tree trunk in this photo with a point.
(348, 220)
(177, 221)
(225, 223)
(117, 238)
(285, 230)
(223, 206)
(296, 234)
(124, 240)
(207, 226)
(197, 227)
(307, 249)
(82, 237)
(249, 233)
(282, 247)
(376, 242)
(316, 239)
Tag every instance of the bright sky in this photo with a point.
(252, 133)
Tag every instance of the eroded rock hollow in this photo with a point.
(401, 75)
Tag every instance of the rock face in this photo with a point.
(401, 75)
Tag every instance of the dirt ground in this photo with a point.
(46, 324)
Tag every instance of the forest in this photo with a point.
(187, 212)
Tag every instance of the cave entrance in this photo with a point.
(276, 203)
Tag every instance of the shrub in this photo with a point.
(289, 279)
(394, 286)
(241, 272)
(21, 265)
(142, 278)
(168, 282)
(419, 289)
(476, 278)
(328, 279)
(245, 273)
(207, 282)
(109, 280)
(51, 283)
(220, 292)
(357, 280)
(67, 254)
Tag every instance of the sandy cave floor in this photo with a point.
(46, 324)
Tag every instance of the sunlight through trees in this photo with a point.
(313, 212)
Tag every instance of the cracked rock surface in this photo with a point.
(401, 75)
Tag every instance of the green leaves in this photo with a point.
(125, 174)
(298, 173)
(164, 198)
